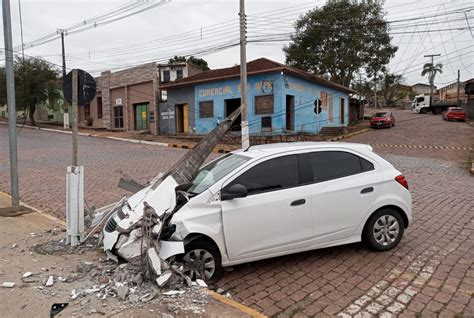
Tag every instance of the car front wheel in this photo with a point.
(202, 260)
(384, 230)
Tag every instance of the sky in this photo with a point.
(210, 29)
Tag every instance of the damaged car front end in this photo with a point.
(140, 230)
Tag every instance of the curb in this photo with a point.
(42, 213)
(232, 303)
(349, 135)
(135, 141)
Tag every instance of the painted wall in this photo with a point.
(167, 111)
(262, 84)
(278, 84)
(305, 94)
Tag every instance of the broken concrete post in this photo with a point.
(155, 260)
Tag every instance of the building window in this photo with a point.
(166, 76)
(324, 100)
(179, 74)
(267, 123)
(99, 107)
(264, 104)
(118, 116)
(330, 108)
(206, 109)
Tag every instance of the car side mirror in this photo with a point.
(233, 192)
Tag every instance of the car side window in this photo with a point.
(271, 175)
(329, 165)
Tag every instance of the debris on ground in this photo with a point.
(8, 284)
(27, 274)
(50, 281)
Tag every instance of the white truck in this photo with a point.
(423, 104)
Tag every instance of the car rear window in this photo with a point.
(456, 110)
(329, 165)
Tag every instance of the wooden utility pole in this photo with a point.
(65, 108)
(243, 77)
(75, 114)
(375, 91)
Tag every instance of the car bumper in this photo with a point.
(380, 124)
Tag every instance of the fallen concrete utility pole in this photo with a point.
(133, 226)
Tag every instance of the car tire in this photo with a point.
(384, 230)
(197, 254)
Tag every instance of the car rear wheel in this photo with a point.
(202, 260)
(384, 230)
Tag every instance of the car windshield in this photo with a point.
(216, 170)
(381, 115)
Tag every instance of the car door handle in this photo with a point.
(298, 202)
(367, 190)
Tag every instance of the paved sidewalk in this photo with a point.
(31, 298)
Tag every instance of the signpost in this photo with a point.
(79, 89)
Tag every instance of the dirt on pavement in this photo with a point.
(33, 243)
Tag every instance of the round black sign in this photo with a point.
(86, 88)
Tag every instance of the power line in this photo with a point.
(114, 15)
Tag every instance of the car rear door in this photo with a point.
(275, 216)
(345, 187)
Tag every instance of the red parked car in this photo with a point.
(382, 119)
(454, 113)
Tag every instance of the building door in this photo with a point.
(230, 106)
(118, 117)
(141, 116)
(290, 112)
(342, 111)
(185, 118)
(179, 118)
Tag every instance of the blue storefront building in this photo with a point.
(280, 100)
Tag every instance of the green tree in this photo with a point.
(390, 89)
(431, 70)
(340, 38)
(35, 83)
(199, 62)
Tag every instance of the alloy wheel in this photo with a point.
(386, 230)
(200, 264)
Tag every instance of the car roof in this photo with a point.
(455, 108)
(276, 148)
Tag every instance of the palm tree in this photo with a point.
(430, 69)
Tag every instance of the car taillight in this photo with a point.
(402, 180)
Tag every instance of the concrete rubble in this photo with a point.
(133, 228)
(8, 284)
(139, 266)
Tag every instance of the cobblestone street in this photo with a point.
(430, 272)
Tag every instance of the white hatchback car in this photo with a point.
(279, 199)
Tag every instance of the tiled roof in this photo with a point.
(261, 65)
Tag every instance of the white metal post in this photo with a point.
(75, 179)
